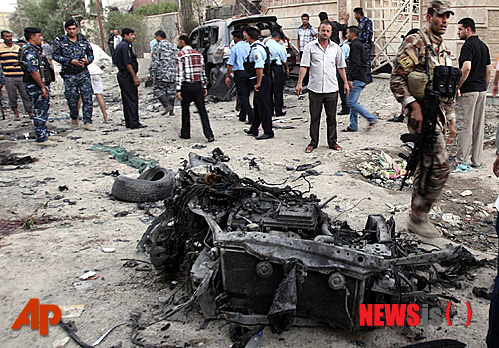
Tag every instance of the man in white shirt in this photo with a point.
(324, 58)
(101, 60)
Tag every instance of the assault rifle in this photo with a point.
(424, 142)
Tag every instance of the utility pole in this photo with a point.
(99, 19)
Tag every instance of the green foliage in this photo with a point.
(48, 15)
(156, 9)
(118, 20)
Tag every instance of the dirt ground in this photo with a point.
(72, 226)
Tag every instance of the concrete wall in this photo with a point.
(168, 22)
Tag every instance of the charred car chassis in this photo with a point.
(259, 254)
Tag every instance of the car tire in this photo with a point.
(152, 185)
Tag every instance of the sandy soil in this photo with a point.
(73, 225)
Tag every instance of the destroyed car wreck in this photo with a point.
(261, 254)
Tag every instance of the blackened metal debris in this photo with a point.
(267, 255)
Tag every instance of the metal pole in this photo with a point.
(99, 19)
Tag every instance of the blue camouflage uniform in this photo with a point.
(40, 105)
(76, 79)
(162, 69)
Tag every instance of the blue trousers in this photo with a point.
(40, 110)
(493, 334)
(355, 107)
(76, 85)
(243, 88)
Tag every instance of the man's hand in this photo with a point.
(77, 63)
(205, 92)
(416, 116)
(344, 16)
(257, 86)
(179, 96)
(299, 89)
(494, 90)
(287, 71)
(495, 168)
(458, 94)
(227, 81)
(85, 61)
(136, 81)
(452, 132)
(45, 93)
(350, 84)
(346, 88)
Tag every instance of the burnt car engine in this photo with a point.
(261, 254)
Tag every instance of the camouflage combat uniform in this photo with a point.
(76, 79)
(40, 105)
(162, 69)
(412, 57)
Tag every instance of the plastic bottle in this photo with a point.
(255, 340)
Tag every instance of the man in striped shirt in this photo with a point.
(13, 75)
(191, 86)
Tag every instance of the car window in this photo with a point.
(214, 35)
(194, 39)
(205, 37)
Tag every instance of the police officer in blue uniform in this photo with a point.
(37, 77)
(126, 61)
(74, 53)
(258, 66)
(278, 60)
(238, 53)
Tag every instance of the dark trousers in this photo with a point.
(262, 102)
(194, 92)
(343, 97)
(316, 102)
(130, 98)
(278, 89)
(493, 333)
(305, 79)
(243, 88)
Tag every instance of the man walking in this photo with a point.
(306, 34)
(238, 53)
(162, 71)
(433, 169)
(278, 61)
(13, 75)
(258, 65)
(74, 53)
(191, 86)
(110, 42)
(126, 61)
(474, 62)
(101, 60)
(325, 59)
(366, 37)
(37, 77)
(357, 80)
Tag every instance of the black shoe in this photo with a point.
(264, 137)
(344, 112)
(399, 118)
(247, 131)
(140, 126)
(283, 114)
(210, 140)
(182, 137)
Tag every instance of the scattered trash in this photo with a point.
(198, 146)
(451, 219)
(68, 201)
(82, 285)
(127, 157)
(73, 311)
(240, 335)
(466, 193)
(462, 168)
(112, 173)
(383, 170)
(14, 160)
(122, 213)
(60, 342)
(303, 167)
(63, 188)
(89, 275)
(253, 164)
(485, 293)
(108, 250)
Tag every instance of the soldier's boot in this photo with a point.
(74, 123)
(172, 102)
(423, 228)
(47, 143)
(89, 127)
(166, 103)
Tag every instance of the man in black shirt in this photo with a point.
(337, 27)
(126, 61)
(474, 62)
(357, 79)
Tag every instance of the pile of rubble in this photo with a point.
(385, 171)
(265, 255)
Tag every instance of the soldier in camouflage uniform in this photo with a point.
(411, 57)
(162, 70)
(74, 53)
(37, 89)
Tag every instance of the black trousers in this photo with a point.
(243, 88)
(130, 98)
(278, 89)
(343, 97)
(194, 92)
(262, 102)
(317, 101)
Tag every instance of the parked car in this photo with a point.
(213, 40)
